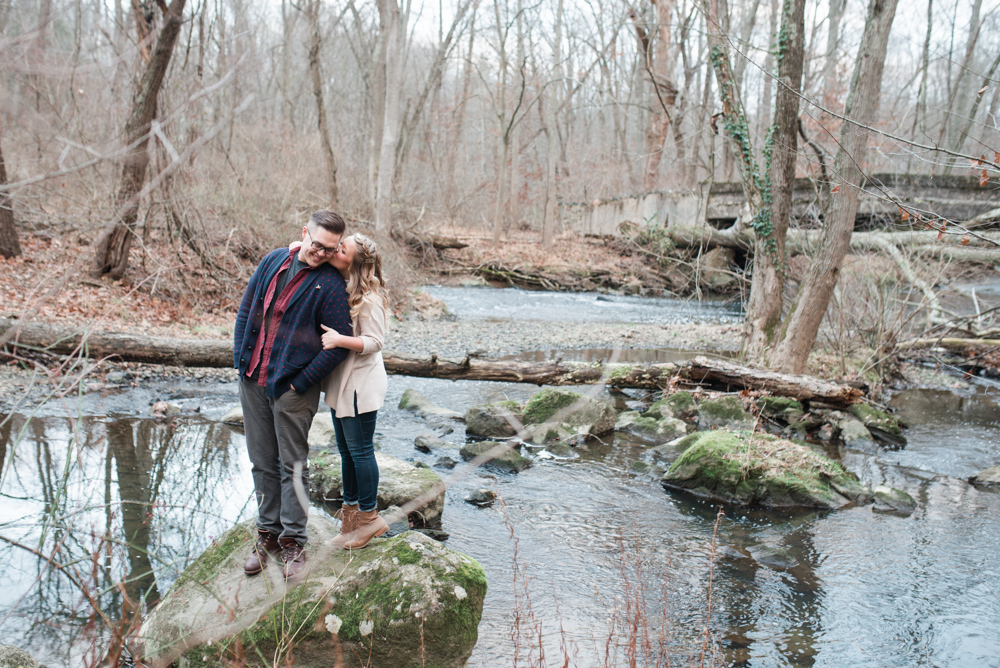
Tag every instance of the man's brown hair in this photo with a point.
(328, 220)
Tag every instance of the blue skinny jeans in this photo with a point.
(355, 441)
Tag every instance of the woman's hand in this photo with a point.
(332, 338)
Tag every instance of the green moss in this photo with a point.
(873, 417)
(722, 410)
(544, 404)
(206, 565)
(404, 554)
(293, 619)
(751, 468)
(383, 600)
(620, 371)
(461, 616)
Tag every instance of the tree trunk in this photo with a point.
(391, 24)
(834, 14)
(700, 371)
(958, 94)
(656, 60)
(549, 103)
(9, 244)
(734, 116)
(810, 305)
(111, 253)
(312, 10)
(768, 286)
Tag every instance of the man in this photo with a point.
(281, 360)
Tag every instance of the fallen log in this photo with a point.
(736, 376)
(983, 248)
(700, 372)
(951, 343)
(63, 340)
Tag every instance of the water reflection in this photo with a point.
(111, 500)
(100, 516)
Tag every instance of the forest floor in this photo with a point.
(48, 283)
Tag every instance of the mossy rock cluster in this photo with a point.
(882, 425)
(781, 409)
(403, 601)
(399, 483)
(571, 411)
(677, 405)
(509, 460)
(652, 430)
(724, 412)
(497, 420)
(744, 468)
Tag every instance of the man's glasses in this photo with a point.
(320, 248)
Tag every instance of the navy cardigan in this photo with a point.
(297, 356)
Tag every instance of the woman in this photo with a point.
(356, 389)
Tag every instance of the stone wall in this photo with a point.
(956, 198)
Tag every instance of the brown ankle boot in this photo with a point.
(348, 516)
(267, 545)
(294, 556)
(370, 525)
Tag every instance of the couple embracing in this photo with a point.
(313, 318)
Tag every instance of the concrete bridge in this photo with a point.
(955, 198)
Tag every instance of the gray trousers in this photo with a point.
(277, 439)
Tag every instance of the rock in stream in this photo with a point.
(408, 601)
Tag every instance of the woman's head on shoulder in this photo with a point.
(359, 261)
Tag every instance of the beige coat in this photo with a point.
(362, 372)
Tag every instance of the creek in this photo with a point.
(126, 497)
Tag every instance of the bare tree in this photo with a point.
(112, 248)
(656, 61)
(311, 10)
(802, 322)
(549, 103)
(392, 29)
(780, 151)
(9, 244)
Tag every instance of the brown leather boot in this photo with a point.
(370, 525)
(266, 545)
(348, 516)
(294, 556)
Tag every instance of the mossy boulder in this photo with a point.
(892, 500)
(415, 402)
(745, 468)
(649, 429)
(677, 405)
(399, 600)
(399, 483)
(882, 425)
(574, 412)
(509, 460)
(724, 412)
(497, 420)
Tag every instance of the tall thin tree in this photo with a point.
(112, 248)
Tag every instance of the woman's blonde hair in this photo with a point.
(365, 274)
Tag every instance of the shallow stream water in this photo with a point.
(127, 497)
